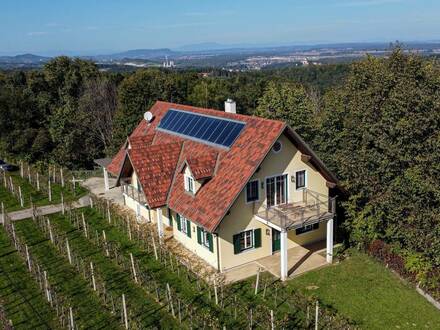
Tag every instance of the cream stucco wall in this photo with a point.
(241, 215)
(191, 243)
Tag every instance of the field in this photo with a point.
(371, 295)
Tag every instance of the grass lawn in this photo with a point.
(39, 198)
(89, 312)
(371, 295)
(23, 300)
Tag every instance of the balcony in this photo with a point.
(313, 207)
(133, 192)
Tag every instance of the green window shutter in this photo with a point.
(199, 235)
(179, 227)
(170, 217)
(188, 226)
(211, 245)
(236, 240)
(257, 238)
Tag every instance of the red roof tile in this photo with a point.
(155, 166)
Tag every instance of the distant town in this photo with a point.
(230, 59)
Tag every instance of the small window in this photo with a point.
(252, 193)
(247, 240)
(277, 147)
(189, 184)
(183, 225)
(300, 179)
(204, 238)
(307, 228)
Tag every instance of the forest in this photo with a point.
(374, 122)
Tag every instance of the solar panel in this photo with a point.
(204, 128)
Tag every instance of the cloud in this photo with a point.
(36, 33)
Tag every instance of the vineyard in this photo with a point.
(96, 267)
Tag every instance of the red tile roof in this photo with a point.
(155, 157)
(155, 166)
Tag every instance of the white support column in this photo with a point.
(159, 222)
(106, 184)
(283, 255)
(330, 241)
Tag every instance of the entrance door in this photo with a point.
(276, 240)
(276, 190)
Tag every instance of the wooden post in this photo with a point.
(3, 214)
(125, 311)
(133, 268)
(29, 174)
(105, 244)
(69, 256)
(72, 324)
(28, 258)
(154, 248)
(170, 300)
(215, 292)
(49, 188)
(84, 225)
(129, 230)
(93, 276)
(38, 181)
(74, 183)
(5, 183)
(257, 281)
(108, 212)
(21, 169)
(62, 177)
(13, 236)
(20, 196)
(91, 202)
(46, 286)
(272, 323)
(50, 231)
(316, 315)
(62, 204)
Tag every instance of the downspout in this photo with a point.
(218, 253)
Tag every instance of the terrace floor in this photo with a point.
(300, 260)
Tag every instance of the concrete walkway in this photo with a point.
(96, 186)
(45, 210)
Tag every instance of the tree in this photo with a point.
(289, 102)
(385, 126)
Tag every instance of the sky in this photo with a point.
(84, 27)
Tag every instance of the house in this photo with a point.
(232, 188)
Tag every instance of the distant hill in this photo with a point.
(144, 54)
(24, 59)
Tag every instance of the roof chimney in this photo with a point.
(230, 106)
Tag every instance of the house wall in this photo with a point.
(241, 216)
(191, 243)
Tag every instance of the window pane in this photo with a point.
(300, 179)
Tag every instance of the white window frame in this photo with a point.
(204, 238)
(189, 184)
(258, 190)
(183, 225)
(287, 186)
(252, 246)
(305, 180)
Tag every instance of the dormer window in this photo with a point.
(189, 184)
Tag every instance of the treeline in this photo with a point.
(374, 122)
